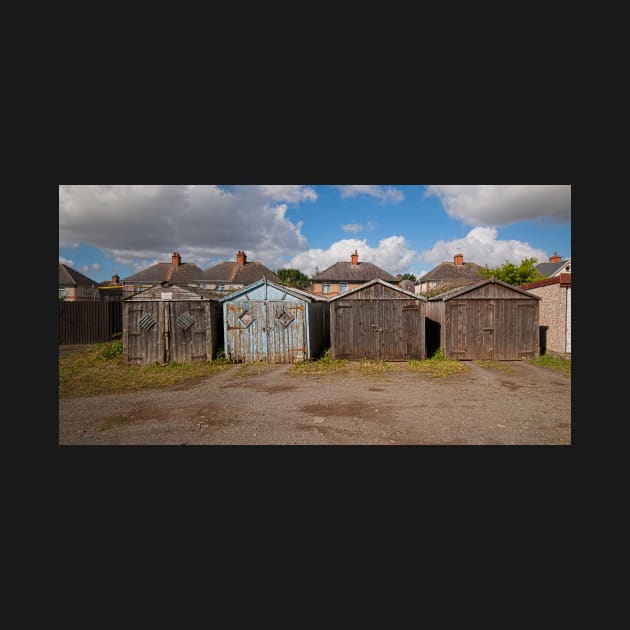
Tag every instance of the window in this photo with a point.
(343, 286)
(326, 288)
(220, 287)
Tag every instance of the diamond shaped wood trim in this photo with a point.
(285, 319)
(147, 322)
(185, 321)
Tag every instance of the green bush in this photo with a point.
(112, 350)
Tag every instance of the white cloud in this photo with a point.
(290, 194)
(66, 261)
(386, 195)
(502, 205)
(481, 246)
(359, 227)
(96, 266)
(141, 225)
(392, 255)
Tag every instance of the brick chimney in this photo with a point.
(355, 258)
(115, 279)
(176, 259)
(555, 258)
(458, 259)
(241, 257)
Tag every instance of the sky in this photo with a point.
(402, 228)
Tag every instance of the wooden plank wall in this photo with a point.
(89, 322)
(377, 323)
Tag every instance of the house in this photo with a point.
(111, 290)
(449, 275)
(231, 276)
(74, 286)
(555, 311)
(378, 321)
(171, 323)
(269, 322)
(175, 272)
(488, 320)
(345, 276)
(554, 267)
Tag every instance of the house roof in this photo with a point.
(548, 269)
(449, 272)
(448, 295)
(232, 272)
(420, 298)
(161, 272)
(564, 280)
(304, 295)
(347, 272)
(71, 277)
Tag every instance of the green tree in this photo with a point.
(514, 274)
(409, 276)
(293, 278)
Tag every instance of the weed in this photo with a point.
(323, 365)
(112, 350)
(553, 363)
(438, 366)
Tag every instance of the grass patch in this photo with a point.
(501, 366)
(438, 366)
(553, 363)
(100, 369)
(252, 369)
(323, 365)
(369, 367)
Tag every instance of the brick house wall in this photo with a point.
(554, 312)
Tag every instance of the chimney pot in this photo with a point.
(459, 259)
(176, 259)
(115, 279)
(241, 257)
(355, 258)
(555, 258)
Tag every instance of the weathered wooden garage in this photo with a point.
(487, 320)
(169, 323)
(378, 321)
(269, 322)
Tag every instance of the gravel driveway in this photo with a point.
(524, 405)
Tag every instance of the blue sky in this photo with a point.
(401, 228)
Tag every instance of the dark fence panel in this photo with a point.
(89, 322)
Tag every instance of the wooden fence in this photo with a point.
(89, 322)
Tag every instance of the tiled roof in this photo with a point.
(71, 277)
(160, 272)
(347, 272)
(449, 272)
(232, 272)
(547, 269)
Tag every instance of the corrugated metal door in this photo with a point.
(246, 324)
(266, 331)
(286, 327)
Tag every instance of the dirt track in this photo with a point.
(527, 405)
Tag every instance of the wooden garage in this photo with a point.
(378, 321)
(169, 323)
(269, 322)
(487, 320)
